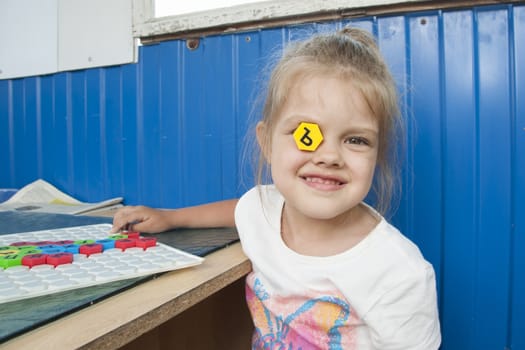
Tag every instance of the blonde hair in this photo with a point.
(350, 53)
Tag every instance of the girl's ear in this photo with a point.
(262, 140)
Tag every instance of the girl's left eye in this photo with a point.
(356, 140)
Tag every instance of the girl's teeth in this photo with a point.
(322, 181)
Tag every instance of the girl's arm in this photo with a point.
(151, 220)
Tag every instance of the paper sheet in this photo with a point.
(41, 196)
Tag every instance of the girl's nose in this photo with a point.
(327, 154)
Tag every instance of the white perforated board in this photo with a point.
(112, 264)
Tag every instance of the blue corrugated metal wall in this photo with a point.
(167, 131)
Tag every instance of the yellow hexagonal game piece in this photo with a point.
(308, 136)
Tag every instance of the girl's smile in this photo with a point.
(324, 182)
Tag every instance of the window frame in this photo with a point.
(250, 16)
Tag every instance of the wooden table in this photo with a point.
(201, 307)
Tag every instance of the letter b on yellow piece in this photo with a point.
(308, 136)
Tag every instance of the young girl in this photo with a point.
(329, 272)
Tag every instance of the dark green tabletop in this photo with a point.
(21, 316)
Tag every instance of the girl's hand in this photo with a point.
(142, 219)
(148, 220)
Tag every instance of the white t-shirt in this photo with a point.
(380, 294)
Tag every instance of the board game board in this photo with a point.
(55, 260)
